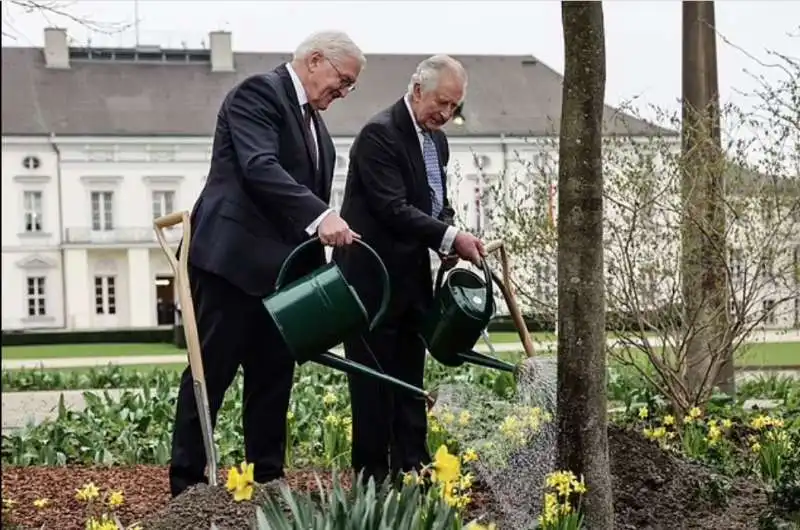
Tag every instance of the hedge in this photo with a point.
(141, 335)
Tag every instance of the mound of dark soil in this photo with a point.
(202, 505)
(656, 490)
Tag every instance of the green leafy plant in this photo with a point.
(364, 506)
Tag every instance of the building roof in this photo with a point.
(511, 95)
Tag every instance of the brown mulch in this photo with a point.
(147, 499)
(653, 490)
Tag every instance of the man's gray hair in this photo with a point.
(429, 70)
(335, 45)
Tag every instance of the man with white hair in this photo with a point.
(396, 198)
(267, 191)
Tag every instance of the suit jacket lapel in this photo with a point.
(408, 132)
(288, 87)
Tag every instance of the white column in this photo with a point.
(78, 290)
(141, 286)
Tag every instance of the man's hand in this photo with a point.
(469, 247)
(335, 232)
(449, 261)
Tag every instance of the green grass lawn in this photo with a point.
(50, 351)
(755, 355)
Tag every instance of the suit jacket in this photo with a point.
(262, 190)
(387, 200)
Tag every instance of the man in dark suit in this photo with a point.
(267, 191)
(396, 198)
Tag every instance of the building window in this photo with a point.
(768, 311)
(105, 295)
(31, 162)
(163, 203)
(36, 296)
(102, 210)
(32, 204)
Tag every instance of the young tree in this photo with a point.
(581, 387)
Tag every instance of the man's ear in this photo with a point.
(314, 60)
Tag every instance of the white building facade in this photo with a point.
(78, 245)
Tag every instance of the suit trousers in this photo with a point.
(389, 424)
(235, 330)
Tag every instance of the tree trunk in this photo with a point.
(581, 408)
(705, 286)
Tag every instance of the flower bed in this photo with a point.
(652, 489)
(723, 467)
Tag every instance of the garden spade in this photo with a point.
(180, 267)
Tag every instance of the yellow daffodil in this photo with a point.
(240, 482)
(446, 467)
(469, 455)
(41, 503)
(643, 413)
(464, 417)
(88, 492)
(116, 499)
(668, 420)
(329, 399)
(714, 434)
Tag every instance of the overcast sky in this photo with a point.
(642, 38)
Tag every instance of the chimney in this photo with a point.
(221, 51)
(56, 50)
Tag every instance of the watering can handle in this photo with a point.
(384, 274)
(487, 276)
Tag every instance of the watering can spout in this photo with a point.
(331, 360)
(481, 359)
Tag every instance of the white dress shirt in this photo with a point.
(302, 99)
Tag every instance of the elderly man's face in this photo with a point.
(330, 79)
(433, 109)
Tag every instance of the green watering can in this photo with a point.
(463, 305)
(318, 311)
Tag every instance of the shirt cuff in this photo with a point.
(447, 240)
(312, 228)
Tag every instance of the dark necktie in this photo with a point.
(312, 144)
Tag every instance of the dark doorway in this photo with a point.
(165, 300)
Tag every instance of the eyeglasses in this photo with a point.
(347, 84)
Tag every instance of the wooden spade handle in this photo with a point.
(506, 288)
(169, 220)
(180, 267)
